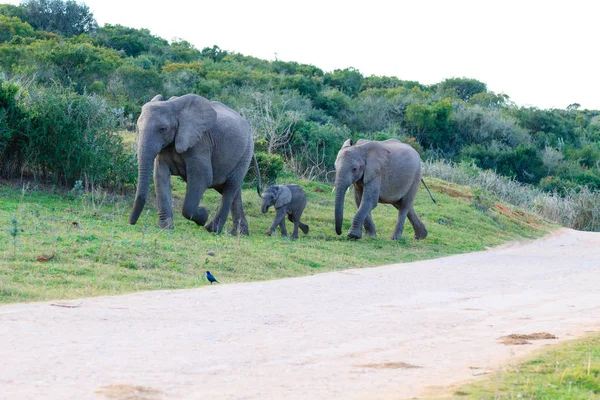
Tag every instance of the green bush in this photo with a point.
(13, 26)
(523, 163)
(270, 166)
(65, 137)
(314, 147)
(12, 123)
(556, 184)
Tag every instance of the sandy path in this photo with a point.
(307, 338)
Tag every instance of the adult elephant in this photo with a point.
(386, 172)
(206, 143)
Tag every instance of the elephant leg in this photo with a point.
(278, 222)
(402, 213)
(240, 224)
(282, 228)
(369, 224)
(303, 227)
(218, 222)
(418, 226)
(162, 188)
(295, 218)
(193, 194)
(368, 201)
(405, 206)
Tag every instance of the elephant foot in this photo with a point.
(199, 216)
(371, 233)
(166, 223)
(304, 229)
(420, 235)
(268, 233)
(355, 231)
(294, 236)
(214, 227)
(241, 230)
(354, 235)
(396, 236)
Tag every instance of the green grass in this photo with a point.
(96, 252)
(568, 371)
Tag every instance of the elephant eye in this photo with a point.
(162, 129)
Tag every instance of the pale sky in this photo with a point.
(540, 53)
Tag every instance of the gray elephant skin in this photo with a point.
(206, 143)
(287, 199)
(386, 172)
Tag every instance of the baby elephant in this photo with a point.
(289, 199)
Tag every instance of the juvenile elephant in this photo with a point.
(287, 199)
(382, 172)
(206, 143)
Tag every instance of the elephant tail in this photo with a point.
(259, 186)
(430, 195)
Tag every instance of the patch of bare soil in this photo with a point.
(130, 392)
(517, 215)
(519, 339)
(456, 193)
(390, 365)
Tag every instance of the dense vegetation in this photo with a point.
(68, 85)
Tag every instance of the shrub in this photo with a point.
(576, 209)
(12, 123)
(555, 184)
(477, 125)
(13, 26)
(68, 137)
(270, 166)
(523, 163)
(314, 147)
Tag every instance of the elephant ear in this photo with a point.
(196, 116)
(347, 143)
(284, 197)
(158, 97)
(376, 159)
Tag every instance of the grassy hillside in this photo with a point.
(93, 251)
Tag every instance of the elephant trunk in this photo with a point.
(340, 195)
(145, 161)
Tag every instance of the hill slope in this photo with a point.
(68, 246)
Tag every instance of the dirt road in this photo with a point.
(356, 334)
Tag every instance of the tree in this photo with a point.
(13, 26)
(214, 53)
(10, 10)
(67, 18)
(465, 88)
(71, 63)
(347, 80)
(489, 100)
(182, 51)
(419, 118)
(132, 42)
(271, 119)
